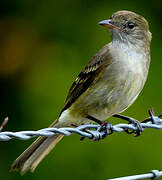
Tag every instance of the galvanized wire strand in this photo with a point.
(154, 174)
(91, 131)
(94, 132)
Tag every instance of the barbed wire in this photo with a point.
(91, 131)
(94, 132)
(154, 174)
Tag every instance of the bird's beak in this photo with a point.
(108, 24)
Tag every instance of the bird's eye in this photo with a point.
(131, 25)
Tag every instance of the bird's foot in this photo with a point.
(106, 128)
(103, 126)
(133, 121)
(102, 131)
(138, 127)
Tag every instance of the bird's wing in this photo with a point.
(88, 76)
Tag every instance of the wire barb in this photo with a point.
(4, 124)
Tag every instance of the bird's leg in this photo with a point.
(104, 125)
(94, 119)
(131, 121)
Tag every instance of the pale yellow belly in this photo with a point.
(105, 98)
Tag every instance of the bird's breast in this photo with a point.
(125, 78)
(119, 85)
(117, 88)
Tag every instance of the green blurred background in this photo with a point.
(43, 46)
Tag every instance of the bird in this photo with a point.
(107, 85)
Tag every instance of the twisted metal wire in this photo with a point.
(154, 174)
(94, 132)
(91, 131)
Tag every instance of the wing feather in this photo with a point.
(88, 76)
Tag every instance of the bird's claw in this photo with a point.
(106, 128)
(138, 126)
(102, 131)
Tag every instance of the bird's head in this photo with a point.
(128, 27)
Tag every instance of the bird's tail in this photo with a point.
(35, 153)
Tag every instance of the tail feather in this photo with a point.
(35, 153)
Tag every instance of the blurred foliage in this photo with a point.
(43, 46)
